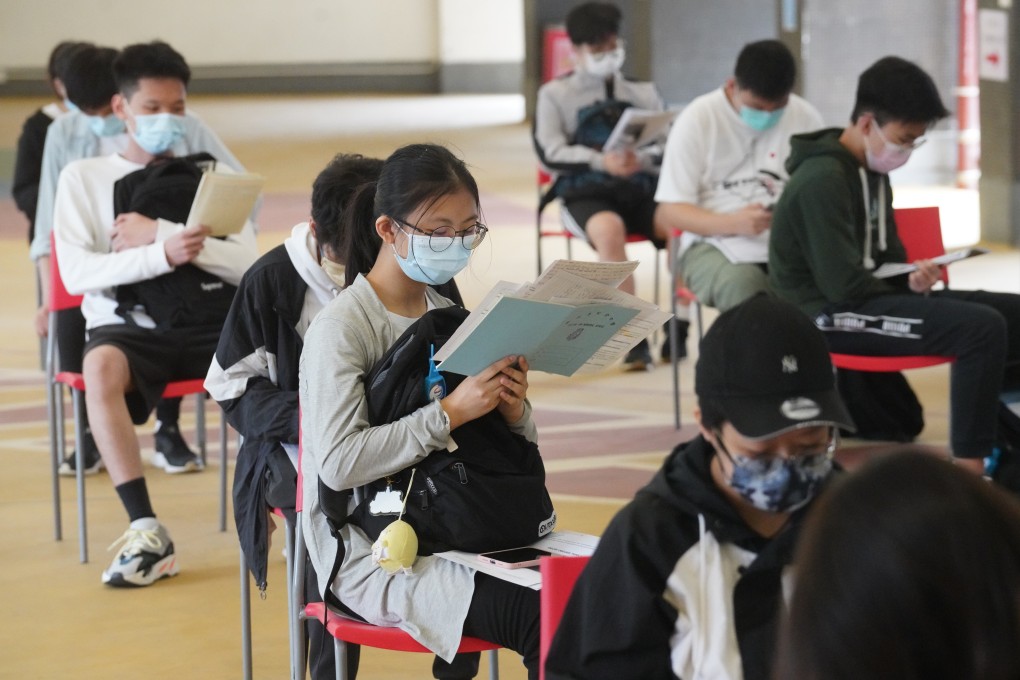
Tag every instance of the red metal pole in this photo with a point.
(968, 154)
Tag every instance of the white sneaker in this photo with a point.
(146, 555)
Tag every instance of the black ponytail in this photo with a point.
(359, 241)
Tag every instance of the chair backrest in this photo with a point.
(558, 577)
(920, 230)
(60, 299)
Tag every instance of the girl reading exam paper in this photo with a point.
(417, 226)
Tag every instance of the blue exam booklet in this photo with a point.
(555, 338)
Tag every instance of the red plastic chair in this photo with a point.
(349, 631)
(920, 230)
(558, 577)
(59, 300)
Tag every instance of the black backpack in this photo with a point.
(1005, 464)
(488, 494)
(187, 297)
(595, 123)
(883, 405)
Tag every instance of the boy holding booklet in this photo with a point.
(607, 195)
(128, 362)
(93, 130)
(834, 225)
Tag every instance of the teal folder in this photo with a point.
(555, 338)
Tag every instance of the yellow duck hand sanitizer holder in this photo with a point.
(396, 549)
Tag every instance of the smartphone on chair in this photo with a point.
(514, 558)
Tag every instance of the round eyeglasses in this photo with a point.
(442, 238)
(903, 148)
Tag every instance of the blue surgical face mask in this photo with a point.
(759, 120)
(70, 105)
(158, 132)
(425, 265)
(106, 126)
(779, 484)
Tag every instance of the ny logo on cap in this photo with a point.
(789, 364)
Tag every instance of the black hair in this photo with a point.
(88, 77)
(413, 176)
(332, 190)
(894, 89)
(766, 68)
(56, 67)
(592, 23)
(908, 568)
(148, 60)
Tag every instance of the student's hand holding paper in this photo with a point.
(751, 220)
(925, 276)
(623, 163)
(478, 394)
(131, 230)
(184, 246)
(515, 381)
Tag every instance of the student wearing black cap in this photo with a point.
(689, 578)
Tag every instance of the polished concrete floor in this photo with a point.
(602, 436)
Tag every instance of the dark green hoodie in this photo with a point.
(819, 242)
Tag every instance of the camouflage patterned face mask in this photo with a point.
(779, 484)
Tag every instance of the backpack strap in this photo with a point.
(331, 502)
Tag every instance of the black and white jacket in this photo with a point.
(254, 377)
(679, 587)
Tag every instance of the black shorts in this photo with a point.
(638, 215)
(156, 358)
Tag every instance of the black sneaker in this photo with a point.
(172, 453)
(682, 326)
(639, 358)
(93, 462)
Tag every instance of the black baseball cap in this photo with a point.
(768, 367)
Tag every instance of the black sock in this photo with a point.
(168, 411)
(135, 497)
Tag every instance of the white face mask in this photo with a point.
(604, 64)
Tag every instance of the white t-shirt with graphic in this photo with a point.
(717, 162)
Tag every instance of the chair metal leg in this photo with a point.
(538, 240)
(245, 619)
(200, 425)
(53, 394)
(293, 623)
(79, 473)
(655, 294)
(493, 664)
(340, 654)
(297, 599)
(674, 348)
(223, 472)
(55, 419)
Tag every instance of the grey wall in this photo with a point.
(695, 43)
(842, 39)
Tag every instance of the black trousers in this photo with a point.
(980, 329)
(508, 615)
